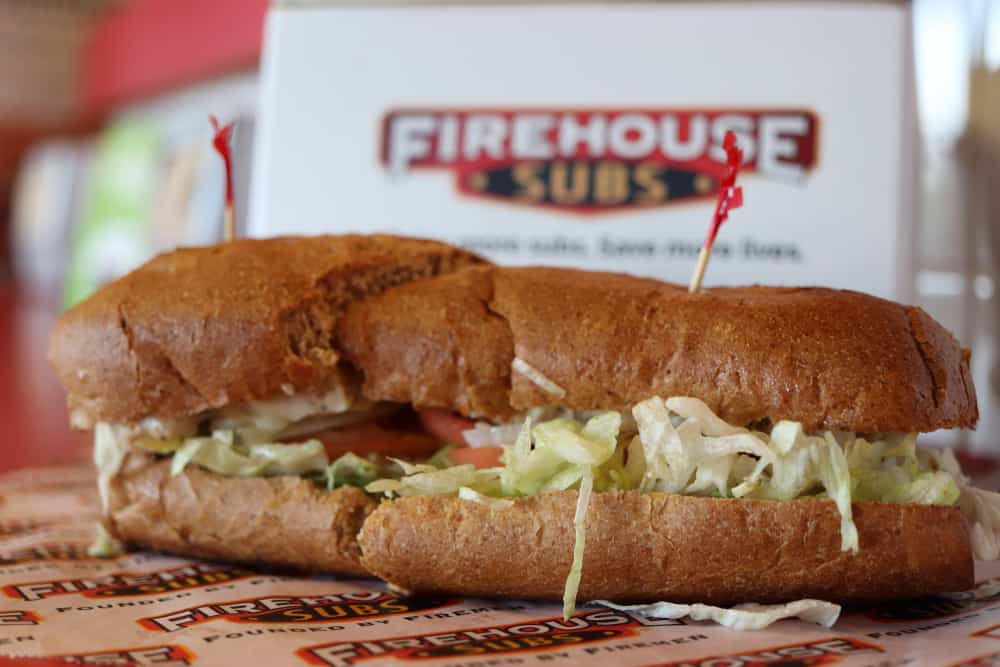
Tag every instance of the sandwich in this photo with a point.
(403, 409)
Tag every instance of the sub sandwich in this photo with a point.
(400, 408)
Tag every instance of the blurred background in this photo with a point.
(105, 159)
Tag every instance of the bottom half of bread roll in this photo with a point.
(283, 521)
(639, 546)
(655, 546)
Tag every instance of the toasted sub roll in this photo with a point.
(203, 328)
(830, 359)
(277, 521)
(655, 546)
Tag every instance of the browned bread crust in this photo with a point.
(201, 328)
(831, 359)
(278, 521)
(434, 343)
(655, 546)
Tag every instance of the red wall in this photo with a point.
(148, 46)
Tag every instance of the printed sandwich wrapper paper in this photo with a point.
(144, 608)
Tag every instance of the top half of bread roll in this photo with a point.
(202, 328)
(490, 341)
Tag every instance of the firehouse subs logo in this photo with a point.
(530, 636)
(127, 584)
(343, 607)
(821, 652)
(8, 618)
(171, 654)
(591, 161)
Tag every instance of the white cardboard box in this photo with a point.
(545, 133)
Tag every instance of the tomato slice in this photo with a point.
(446, 426)
(363, 439)
(481, 457)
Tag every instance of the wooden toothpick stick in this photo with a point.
(699, 269)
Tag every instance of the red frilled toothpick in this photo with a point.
(222, 143)
(730, 197)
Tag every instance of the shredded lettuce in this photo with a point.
(634, 469)
(273, 416)
(984, 590)
(350, 469)
(158, 445)
(556, 454)
(484, 434)
(692, 408)
(683, 457)
(893, 470)
(110, 448)
(413, 468)
(749, 616)
(980, 507)
(104, 545)
(836, 478)
(441, 458)
(537, 377)
(465, 493)
(426, 480)
(221, 454)
(688, 449)
(589, 445)
(579, 544)
(226, 453)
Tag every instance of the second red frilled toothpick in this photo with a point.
(730, 197)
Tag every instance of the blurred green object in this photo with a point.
(114, 234)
